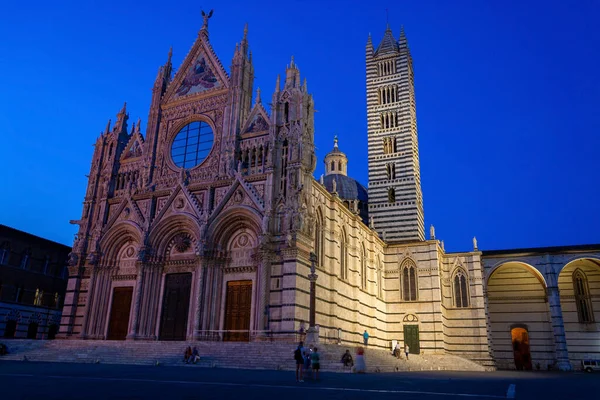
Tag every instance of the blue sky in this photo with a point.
(508, 98)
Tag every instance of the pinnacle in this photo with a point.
(258, 96)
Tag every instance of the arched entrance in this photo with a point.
(519, 317)
(10, 329)
(52, 331)
(579, 289)
(176, 303)
(521, 352)
(32, 330)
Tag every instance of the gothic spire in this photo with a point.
(278, 84)
(388, 43)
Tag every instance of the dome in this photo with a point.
(347, 188)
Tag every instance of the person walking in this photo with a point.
(314, 358)
(406, 350)
(366, 337)
(299, 358)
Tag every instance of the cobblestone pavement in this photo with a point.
(46, 381)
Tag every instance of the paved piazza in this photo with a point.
(28, 380)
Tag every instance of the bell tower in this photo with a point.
(395, 198)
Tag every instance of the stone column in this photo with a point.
(312, 335)
(136, 303)
(558, 329)
(558, 326)
(88, 305)
(197, 335)
(264, 273)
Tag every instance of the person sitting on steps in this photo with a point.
(187, 355)
(347, 359)
(195, 355)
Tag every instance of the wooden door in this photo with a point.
(238, 304)
(411, 337)
(119, 313)
(176, 304)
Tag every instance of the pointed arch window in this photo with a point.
(318, 245)
(581, 290)
(363, 267)
(343, 256)
(379, 280)
(408, 281)
(461, 289)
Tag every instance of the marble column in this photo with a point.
(137, 299)
(87, 308)
(264, 273)
(197, 334)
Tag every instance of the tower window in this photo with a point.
(582, 297)
(390, 170)
(333, 165)
(339, 166)
(391, 195)
(286, 112)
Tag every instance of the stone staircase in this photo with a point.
(254, 355)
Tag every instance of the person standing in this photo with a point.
(366, 337)
(314, 358)
(299, 358)
(406, 350)
(397, 350)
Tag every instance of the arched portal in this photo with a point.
(579, 289)
(517, 296)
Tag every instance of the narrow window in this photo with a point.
(391, 195)
(333, 165)
(409, 282)
(363, 267)
(461, 294)
(287, 112)
(582, 297)
(343, 257)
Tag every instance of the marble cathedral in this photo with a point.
(203, 229)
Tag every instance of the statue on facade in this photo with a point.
(205, 17)
(72, 259)
(92, 259)
(371, 222)
(474, 243)
(322, 180)
(333, 186)
(432, 232)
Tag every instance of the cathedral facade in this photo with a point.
(207, 228)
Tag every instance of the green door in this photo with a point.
(411, 338)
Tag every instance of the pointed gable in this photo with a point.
(258, 121)
(388, 44)
(200, 72)
(134, 148)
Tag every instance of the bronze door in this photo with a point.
(176, 304)
(119, 313)
(238, 304)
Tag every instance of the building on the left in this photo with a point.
(33, 281)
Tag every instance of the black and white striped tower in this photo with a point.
(395, 198)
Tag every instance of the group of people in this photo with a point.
(398, 350)
(191, 356)
(306, 358)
